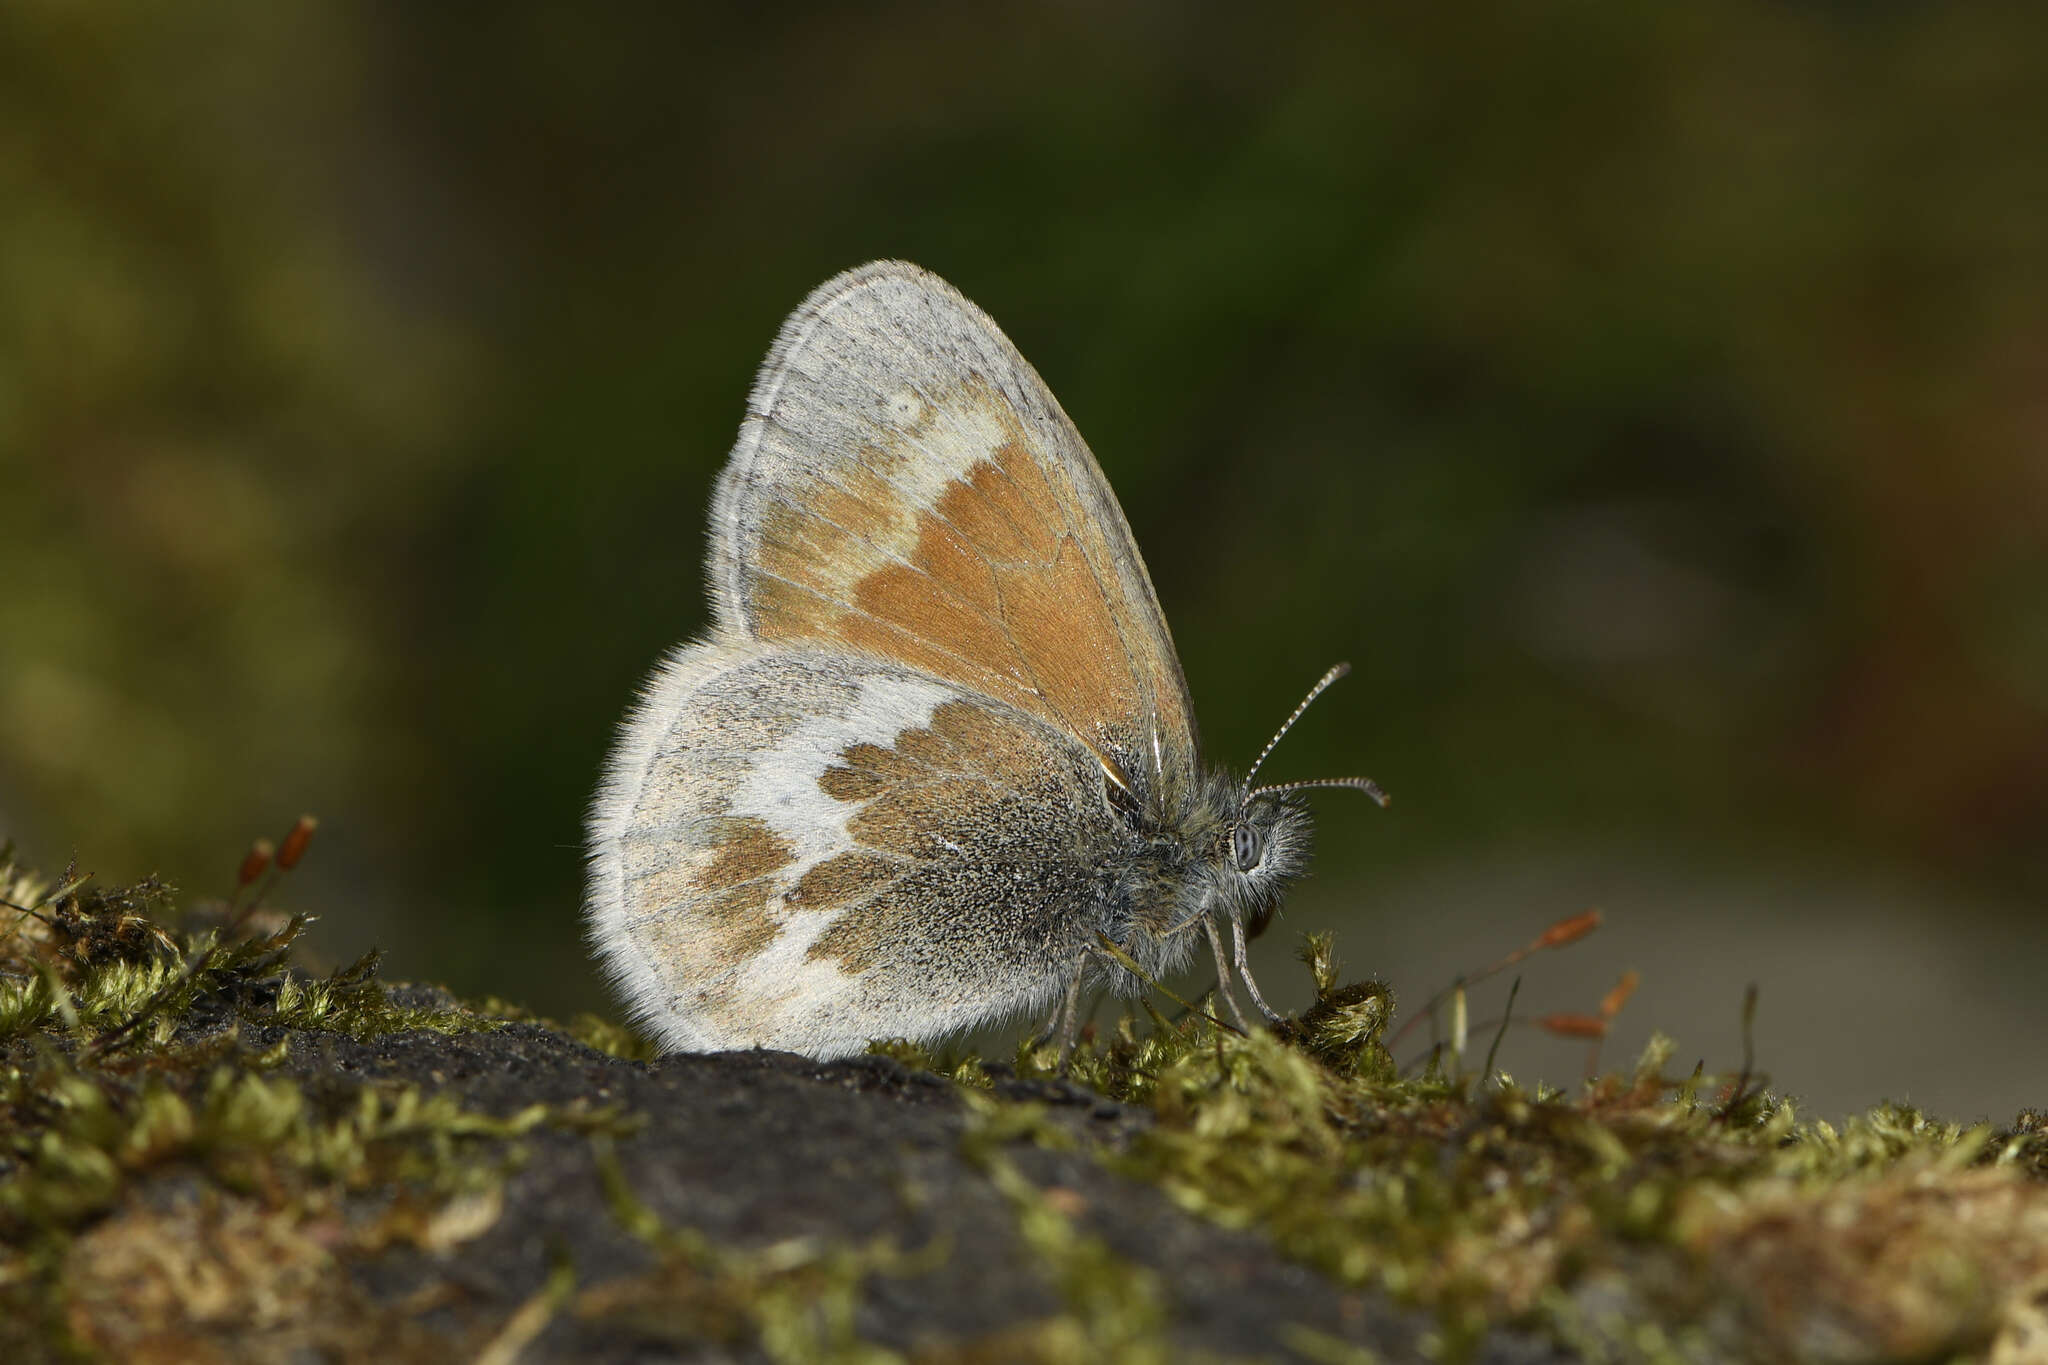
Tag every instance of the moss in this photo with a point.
(599, 1034)
(117, 971)
(254, 1245)
(123, 1074)
(962, 1068)
(166, 1191)
(1644, 1213)
(354, 1002)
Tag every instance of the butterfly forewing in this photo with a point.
(905, 486)
(806, 849)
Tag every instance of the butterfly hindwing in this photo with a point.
(906, 486)
(803, 848)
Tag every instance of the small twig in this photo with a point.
(69, 888)
(28, 912)
(1502, 1031)
(1735, 1096)
(1564, 932)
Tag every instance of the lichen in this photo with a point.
(794, 1299)
(1115, 1310)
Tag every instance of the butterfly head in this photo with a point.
(1266, 848)
(1270, 831)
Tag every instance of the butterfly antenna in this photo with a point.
(1322, 684)
(1362, 784)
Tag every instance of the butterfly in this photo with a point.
(934, 765)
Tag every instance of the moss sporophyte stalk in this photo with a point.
(184, 1167)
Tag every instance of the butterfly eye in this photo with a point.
(1246, 846)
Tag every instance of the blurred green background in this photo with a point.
(1652, 402)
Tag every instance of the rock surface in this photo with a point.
(753, 1150)
(207, 1154)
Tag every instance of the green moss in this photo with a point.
(960, 1067)
(116, 971)
(242, 1129)
(354, 1002)
(1644, 1210)
(77, 1238)
(122, 1060)
(1642, 1215)
(594, 1032)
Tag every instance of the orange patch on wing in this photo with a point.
(851, 784)
(926, 605)
(808, 544)
(738, 908)
(907, 646)
(789, 611)
(865, 771)
(964, 728)
(913, 821)
(936, 744)
(722, 931)
(891, 765)
(961, 738)
(1071, 646)
(746, 850)
(1005, 585)
(996, 582)
(994, 516)
(950, 558)
(1065, 650)
(860, 942)
(831, 537)
(849, 876)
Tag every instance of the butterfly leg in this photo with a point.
(1244, 969)
(1050, 1029)
(1223, 975)
(1070, 1016)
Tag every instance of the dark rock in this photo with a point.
(753, 1149)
